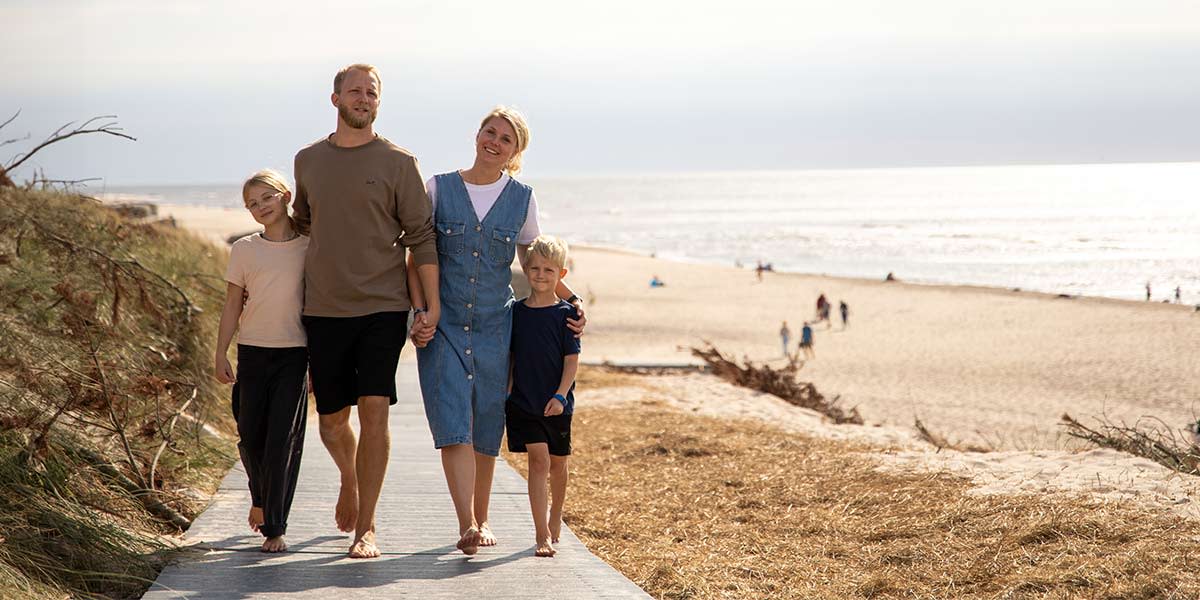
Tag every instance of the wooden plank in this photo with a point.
(417, 531)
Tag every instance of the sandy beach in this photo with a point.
(990, 367)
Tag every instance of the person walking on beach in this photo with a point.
(785, 334)
(1147, 291)
(806, 341)
(484, 218)
(1178, 295)
(845, 310)
(270, 394)
(823, 309)
(541, 399)
(362, 199)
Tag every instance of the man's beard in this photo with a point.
(352, 119)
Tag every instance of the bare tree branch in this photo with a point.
(108, 128)
(11, 119)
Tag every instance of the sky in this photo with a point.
(215, 90)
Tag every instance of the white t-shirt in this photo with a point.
(272, 273)
(484, 196)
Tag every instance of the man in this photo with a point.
(362, 200)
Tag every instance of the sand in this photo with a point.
(977, 365)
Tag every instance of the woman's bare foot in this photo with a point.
(346, 511)
(364, 546)
(555, 530)
(544, 549)
(469, 542)
(486, 537)
(255, 519)
(274, 544)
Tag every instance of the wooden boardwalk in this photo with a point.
(417, 531)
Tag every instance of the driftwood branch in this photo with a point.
(1158, 442)
(778, 382)
(63, 133)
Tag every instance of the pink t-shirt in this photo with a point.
(272, 273)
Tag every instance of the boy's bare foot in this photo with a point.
(255, 519)
(346, 512)
(544, 549)
(486, 537)
(364, 546)
(274, 544)
(469, 542)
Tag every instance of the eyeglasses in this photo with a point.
(254, 204)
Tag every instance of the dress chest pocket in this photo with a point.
(503, 248)
(450, 237)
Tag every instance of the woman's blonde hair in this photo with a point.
(517, 121)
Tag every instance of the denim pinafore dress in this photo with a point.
(464, 368)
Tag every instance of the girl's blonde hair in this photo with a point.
(550, 248)
(272, 179)
(517, 121)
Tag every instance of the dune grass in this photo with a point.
(695, 507)
(106, 326)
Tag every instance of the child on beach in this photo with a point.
(545, 357)
(786, 335)
(270, 396)
(806, 341)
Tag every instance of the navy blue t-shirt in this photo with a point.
(540, 341)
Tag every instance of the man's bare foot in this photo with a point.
(274, 544)
(469, 542)
(486, 537)
(255, 519)
(364, 546)
(346, 512)
(544, 549)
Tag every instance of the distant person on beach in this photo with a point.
(785, 334)
(1147, 291)
(806, 341)
(890, 276)
(845, 310)
(270, 394)
(541, 399)
(655, 282)
(361, 197)
(1178, 295)
(823, 308)
(758, 271)
(484, 219)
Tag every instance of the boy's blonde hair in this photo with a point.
(517, 121)
(268, 177)
(550, 248)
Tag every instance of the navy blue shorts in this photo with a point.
(351, 357)
(524, 429)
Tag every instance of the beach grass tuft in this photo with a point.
(1148, 438)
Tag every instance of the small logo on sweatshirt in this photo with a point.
(370, 182)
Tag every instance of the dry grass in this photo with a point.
(693, 507)
(106, 331)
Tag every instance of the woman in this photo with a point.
(483, 218)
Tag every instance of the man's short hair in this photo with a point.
(364, 67)
(550, 248)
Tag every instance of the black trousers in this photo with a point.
(270, 403)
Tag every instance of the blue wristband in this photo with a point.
(560, 398)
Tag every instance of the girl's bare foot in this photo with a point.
(544, 549)
(486, 537)
(274, 544)
(469, 541)
(364, 546)
(255, 519)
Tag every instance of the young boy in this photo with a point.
(545, 357)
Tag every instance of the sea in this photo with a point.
(1104, 230)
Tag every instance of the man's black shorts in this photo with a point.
(524, 428)
(352, 357)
